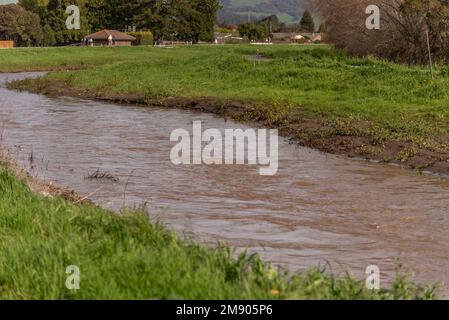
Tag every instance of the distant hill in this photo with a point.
(239, 11)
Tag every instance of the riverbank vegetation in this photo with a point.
(361, 107)
(125, 256)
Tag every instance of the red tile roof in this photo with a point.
(116, 35)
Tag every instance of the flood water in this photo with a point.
(319, 208)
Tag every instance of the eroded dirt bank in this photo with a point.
(316, 132)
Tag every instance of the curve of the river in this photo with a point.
(319, 208)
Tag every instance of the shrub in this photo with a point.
(402, 36)
(143, 38)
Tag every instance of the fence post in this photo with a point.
(430, 55)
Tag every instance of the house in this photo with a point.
(7, 44)
(221, 38)
(317, 37)
(297, 38)
(282, 37)
(291, 37)
(109, 38)
(313, 37)
(287, 37)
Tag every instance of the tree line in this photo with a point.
(183, 20)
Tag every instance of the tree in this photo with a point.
(49, 36)
(272, 23)
(187, 20)
(36, 6)
(402, 37)
(99, 14)
(254, 31)
(307, 23)
(56, 18)
(154, 15)
(207, 10)
(20, 25)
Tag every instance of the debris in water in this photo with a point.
(100, 175)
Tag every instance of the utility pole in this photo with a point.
(430, 54)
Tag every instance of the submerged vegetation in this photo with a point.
(128, 257)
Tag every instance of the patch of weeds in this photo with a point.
(407, 153)
(157, 93)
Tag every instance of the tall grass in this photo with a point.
(127, 257)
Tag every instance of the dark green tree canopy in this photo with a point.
(307, 23)
(254, 31)
(185, 20)
(20, 25)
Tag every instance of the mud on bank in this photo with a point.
(350, 137)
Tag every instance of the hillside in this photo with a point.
(238, 11)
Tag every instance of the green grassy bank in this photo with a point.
(315, 94)
(126, 257)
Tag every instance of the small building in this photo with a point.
(313, 37)
(7, 44)
(287, 37)
(110, 38)
(293, 37)
(222, 38)
(297, 38)
(282, 37)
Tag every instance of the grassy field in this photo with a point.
(126, 257)
(367, 107)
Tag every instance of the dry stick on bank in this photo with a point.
(88, 196)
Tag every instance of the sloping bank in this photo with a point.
(317, 96)
(128, 257)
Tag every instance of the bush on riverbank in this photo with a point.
(126, 257)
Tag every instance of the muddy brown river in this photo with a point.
(319, 208)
